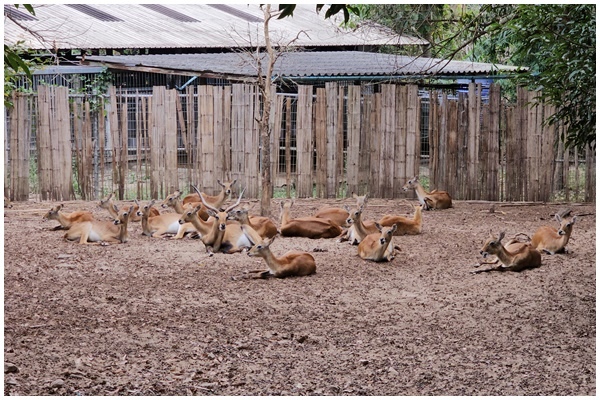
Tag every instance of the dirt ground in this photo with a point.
(161, 317)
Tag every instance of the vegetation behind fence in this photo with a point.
(326, 142)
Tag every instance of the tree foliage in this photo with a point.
(558, 44)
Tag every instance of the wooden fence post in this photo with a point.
(304, 146)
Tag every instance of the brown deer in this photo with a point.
(340, 215)
(215, 201)
(554, 241)
(310, 227)
(516, 256)
(406, 226)
(7, 203)
(66, 220)
(108, 203)
(174, 201)
(223, 237)
(102, 231)
(263, 226)
(163, 224)
(358, 229)
(378, 246)
(436, 199)
(292, 263)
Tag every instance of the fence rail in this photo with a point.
(326, 142)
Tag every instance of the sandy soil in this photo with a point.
(160, 317)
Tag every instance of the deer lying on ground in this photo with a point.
(67, 220)
(358, 229)
(516, 256)
(263, 226)
(378, 246)
(159, 225)
(310, 227)
(406, 226)
(554, 241)
(7, 203)
(108, 204)
(340, 215)
(221, 236)
(292, 263)
(102, 231)
(436, 199)
(174, 201)
(215, 201)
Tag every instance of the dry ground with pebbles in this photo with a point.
(158, 316)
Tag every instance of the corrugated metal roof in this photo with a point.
(64, 27)
(304, 64)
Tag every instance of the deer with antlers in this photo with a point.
(223, 237)
(436, 199)
(516, 256)
(214, 201)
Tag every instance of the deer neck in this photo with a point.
(270, 259)
(359, 226)
(214, 236)
(285, 216)
(202, 226)
(418, 217)
(62, 218)
(123, 236)
(504, 256)
(421, 193)
(145, 228)
(109, 207)
(381, 249)
(178, 207)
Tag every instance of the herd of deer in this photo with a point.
(232, 229)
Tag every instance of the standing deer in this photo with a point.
(554, 241)
(515, 256)
(436, 199)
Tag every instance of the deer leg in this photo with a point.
(58, 228)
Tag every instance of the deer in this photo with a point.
(7, 203)
(552, 241)
(263, 226)
(516, 256)
(358, 229)
(223, 237)
(378, 246)
(174, 201)
(215, 201)
(340, 215)
(436, 199)
(406, 226)
(66, 220)
(102, 232)
(158, 225)
(292, 263)
(107, 203)
(310, 227)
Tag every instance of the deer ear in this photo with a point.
(131, 209)
(501, 236)
(574, 219)
(558, 218)
(378, 226)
